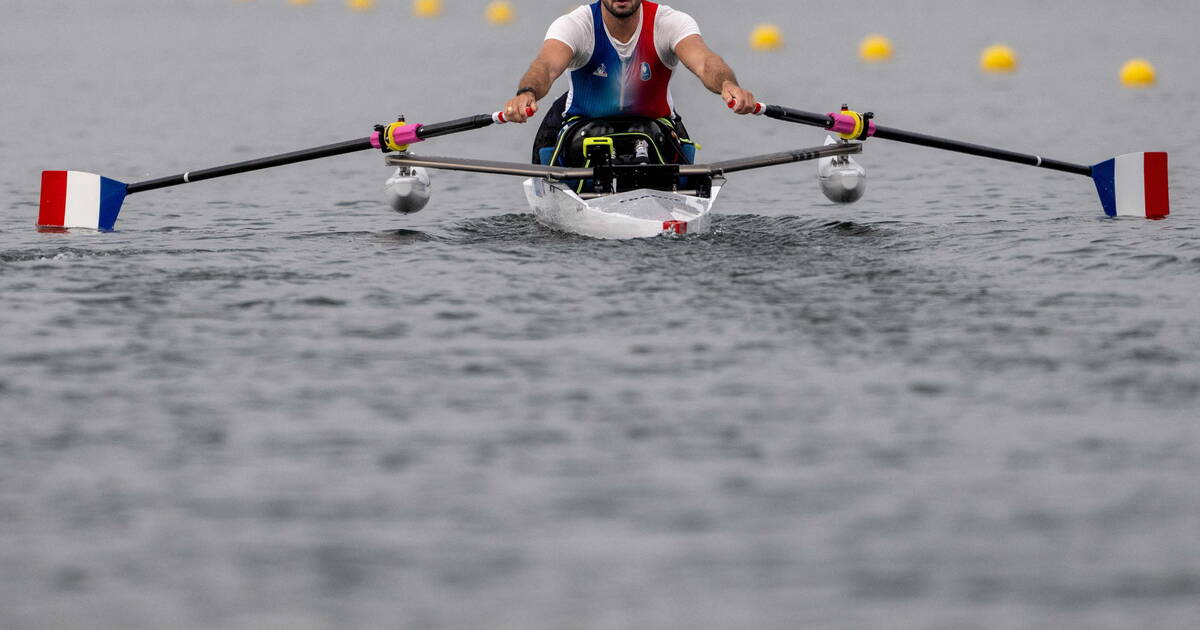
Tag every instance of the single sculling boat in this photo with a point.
(610, 197)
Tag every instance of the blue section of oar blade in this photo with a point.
(1104, 174)
(112, 194)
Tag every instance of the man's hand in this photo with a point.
(739, 100)
(519, 108)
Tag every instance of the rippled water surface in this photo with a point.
(266, 401)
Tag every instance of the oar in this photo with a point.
(74, 199)
(1134, 184)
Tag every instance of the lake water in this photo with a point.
(267, 401)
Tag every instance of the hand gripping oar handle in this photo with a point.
(416, 131)
(839, 123)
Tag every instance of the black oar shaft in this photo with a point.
(431, 130)
(889, 133)
(282, 159)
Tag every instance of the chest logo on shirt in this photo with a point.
(645, 71)
(601, 71)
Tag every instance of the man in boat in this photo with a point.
(620, 54)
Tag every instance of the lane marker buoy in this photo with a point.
(998, 58)
(1138, 73)
(875, 48)
(766, 37)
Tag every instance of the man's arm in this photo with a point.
(550, 63)
(714, 73)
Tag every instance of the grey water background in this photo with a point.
(266, 401)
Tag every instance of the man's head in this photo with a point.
(622, 8)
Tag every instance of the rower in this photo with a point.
(621, 54)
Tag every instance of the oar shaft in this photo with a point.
(418, 133)
(825, 121)
(282, 159)
(935, 142)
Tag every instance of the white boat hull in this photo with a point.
(638, 213)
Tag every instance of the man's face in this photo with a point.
(622, 8)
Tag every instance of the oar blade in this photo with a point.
(74, 199)
(1134, 185)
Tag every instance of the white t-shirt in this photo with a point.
(577, 30)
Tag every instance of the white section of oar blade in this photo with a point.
(83, 201)
(1130, 181)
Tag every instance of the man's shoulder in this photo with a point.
(672, 13)
(572, 27)
(581, 16)
(675, 19)
(674, 25)
(582, 13)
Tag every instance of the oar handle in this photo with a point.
(837, 122)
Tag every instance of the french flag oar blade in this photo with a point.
(1134, 185)
(74, 199)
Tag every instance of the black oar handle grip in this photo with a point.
(434, 130)
(465, 124)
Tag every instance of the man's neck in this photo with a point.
(622, 29)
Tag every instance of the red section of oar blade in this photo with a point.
(53, 207)
(1158, 197)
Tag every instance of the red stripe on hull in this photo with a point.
(53, 208)
(1158, 201)
(679, 227)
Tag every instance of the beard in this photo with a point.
(632, 10)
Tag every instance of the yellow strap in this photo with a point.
(859, 123)
(389, 139)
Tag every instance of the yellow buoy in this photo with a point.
(427, 8)
(360, 5)
(1138, 73)
(766, 37)
(500, 12)
(875, 48)
(998, 58)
